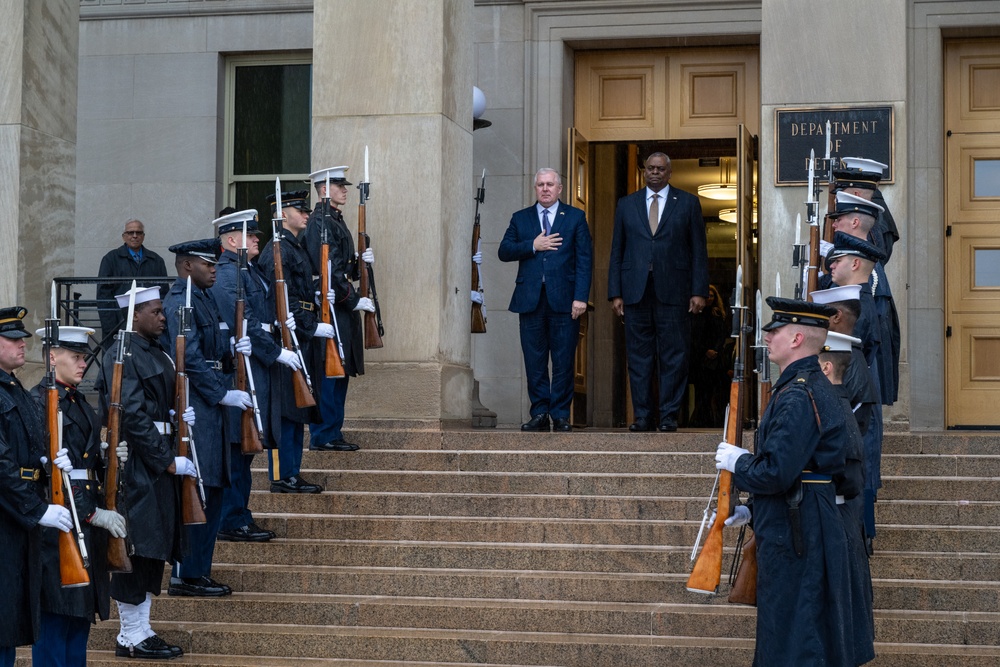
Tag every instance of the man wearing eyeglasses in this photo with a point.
(130, 261)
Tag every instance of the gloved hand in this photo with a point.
(58, 517)
(367, 257)
(184, 466)
(121, 451)
(113, 522)
(331, 296)
(290, 322)
(364, 303)
(478, 257)
(290, 359)
(188, 415)
(244, 346)
(235, 398)
(739, 517)
(324, 330)
(477, 297)
(62, 460)
(726, 456)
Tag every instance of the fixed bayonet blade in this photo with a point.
(131, 308)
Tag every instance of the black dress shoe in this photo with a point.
(342, 446)
(257, 529)
(639, 425)
(226, 589)
(245, 534)
(537, 423)
(294, 484)
(668, 426)
(561, 425)
(152, 648)
(198, 587)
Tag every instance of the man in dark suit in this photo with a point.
(551, 243)
(657, 278)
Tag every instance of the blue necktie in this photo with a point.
(545, 221)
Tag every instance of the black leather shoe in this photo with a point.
(257, 529)
(561, 425)
(537, 423)
(226, 589)
(151, 648)
(639, 425)
(342, 446)
(245, 534)
(294, 484)
(668, 426)
(200, 587)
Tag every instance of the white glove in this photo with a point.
(235, 398)
(188, 415)
(368, 257)
(478, 257)
(726, 456)
(113, 522)
(290, 359)
(824, 248)
(62, 461)
(331, 296)
(184, 466)
(324, 330)
(244, 346)
(57, 516)
(121, 451)
(364, 303)
(104, 448)
(290, 322)
(316, 297)
(739, 517)
(477, 297)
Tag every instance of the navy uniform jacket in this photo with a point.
(803, 603)
(149, 500)
(860, 388)
(82, 437)
(567, 269)
(677, 253)
(22, 505)
(301, 301)
(206, 347)
(345, 267)
(259, 312)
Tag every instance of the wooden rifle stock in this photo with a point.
(373, 339)
(250, 436)
(118, 560)
(192, 512)
(478, 319)
(334, 367)
(300, 386)
(812, 280)
(72, 571)
(831, 206)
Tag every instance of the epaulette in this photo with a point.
(801, 378)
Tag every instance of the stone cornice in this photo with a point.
(127, 9)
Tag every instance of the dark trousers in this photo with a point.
(62, 641)
(547, 334)
(7, 655)
(657, 340)
(332, 397)
(236, 496)
(200, 539)
(286, 460)
(146, 577)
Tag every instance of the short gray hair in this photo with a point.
(548, 170)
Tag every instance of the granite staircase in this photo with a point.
(498, 548)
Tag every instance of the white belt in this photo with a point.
(840, 500)
(165, 428)
(267, 327)
(81, 474)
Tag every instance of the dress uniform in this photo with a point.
(23, 509)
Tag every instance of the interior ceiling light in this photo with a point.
(725, 190)
(729, 215)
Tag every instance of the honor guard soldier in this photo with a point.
(327, 435)
(67, 613)
(861, 177)
(261, 327)
(801, 542)
(148, 496)
(284, 461)
(23, 509)
(208, 365)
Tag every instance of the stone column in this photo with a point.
(396, 76)
(38, 75)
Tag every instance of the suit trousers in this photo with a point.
(62, 641)
(200, 539)
(236, 496)
(657, 340)
(332, 397)
(544, 334)
(286, 460)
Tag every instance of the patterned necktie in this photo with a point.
(545, 221)
(654, 213)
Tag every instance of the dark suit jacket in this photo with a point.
(677, 252)
(567, 270)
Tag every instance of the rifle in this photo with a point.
(707, 570)
(366, 283)
(301, 384)
(831, 201)
(73, 559)
(812, 207)
(334, 350)
(192, 490)
(250, 425)
(478, 312)
(118, 560)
